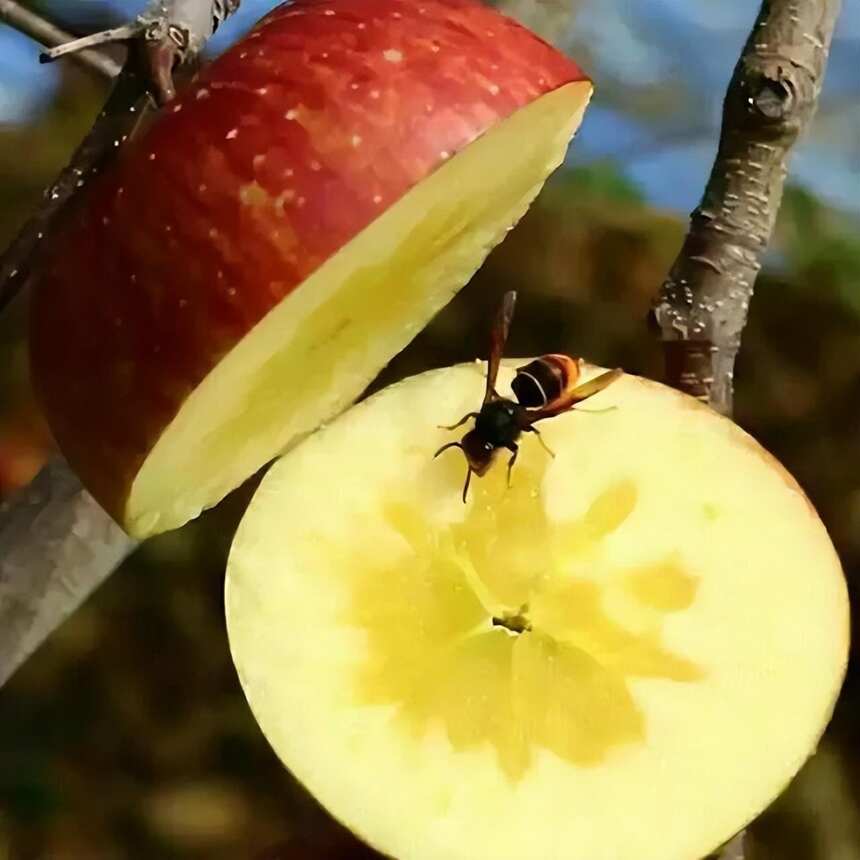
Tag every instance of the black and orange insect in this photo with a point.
(544, 388)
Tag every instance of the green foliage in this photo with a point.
(600, 182)
(821, 246)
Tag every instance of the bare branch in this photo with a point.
(56, 546)
(702, 306)
(125, 106)
(49, 35)
(44, 572)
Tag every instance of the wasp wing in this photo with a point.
(569, 398)
(498, 338)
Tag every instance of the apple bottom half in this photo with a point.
(625, 655)
(316, 351)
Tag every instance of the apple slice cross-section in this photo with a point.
(625, 655)
(287, 225)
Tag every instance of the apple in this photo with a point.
(625, 655)
(289, 223)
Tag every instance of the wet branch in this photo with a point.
(702, 306)
(46, 569)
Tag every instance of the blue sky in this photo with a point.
(633, 49)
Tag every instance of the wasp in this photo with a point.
(543, 388)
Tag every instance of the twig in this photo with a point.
(93, 40)
(49, 35)
(702, 306)
(44, 573)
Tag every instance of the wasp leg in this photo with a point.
(543, 444)
(515, 448)
(446, 447)
(466, 485)
(460, 423)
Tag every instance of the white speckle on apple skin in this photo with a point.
(356, 141)
(392, 55)
(202, 93)
(232, 134)
(291, 114)
(286, 196)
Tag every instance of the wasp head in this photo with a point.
(479, 452)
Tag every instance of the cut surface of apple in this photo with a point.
(624, 655)
(283, 229)
(324, 343)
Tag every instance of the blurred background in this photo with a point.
(127, 734)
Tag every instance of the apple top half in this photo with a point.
(285, 226)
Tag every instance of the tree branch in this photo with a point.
(127, 104)
(49, 35)
(702, 306)
(44, 572)
(56, 546)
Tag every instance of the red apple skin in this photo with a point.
(279, 153)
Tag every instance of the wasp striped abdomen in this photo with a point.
(545, 379)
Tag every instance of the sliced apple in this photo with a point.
(625, 655)
(283, 229)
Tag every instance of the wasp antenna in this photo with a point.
(449, 445)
